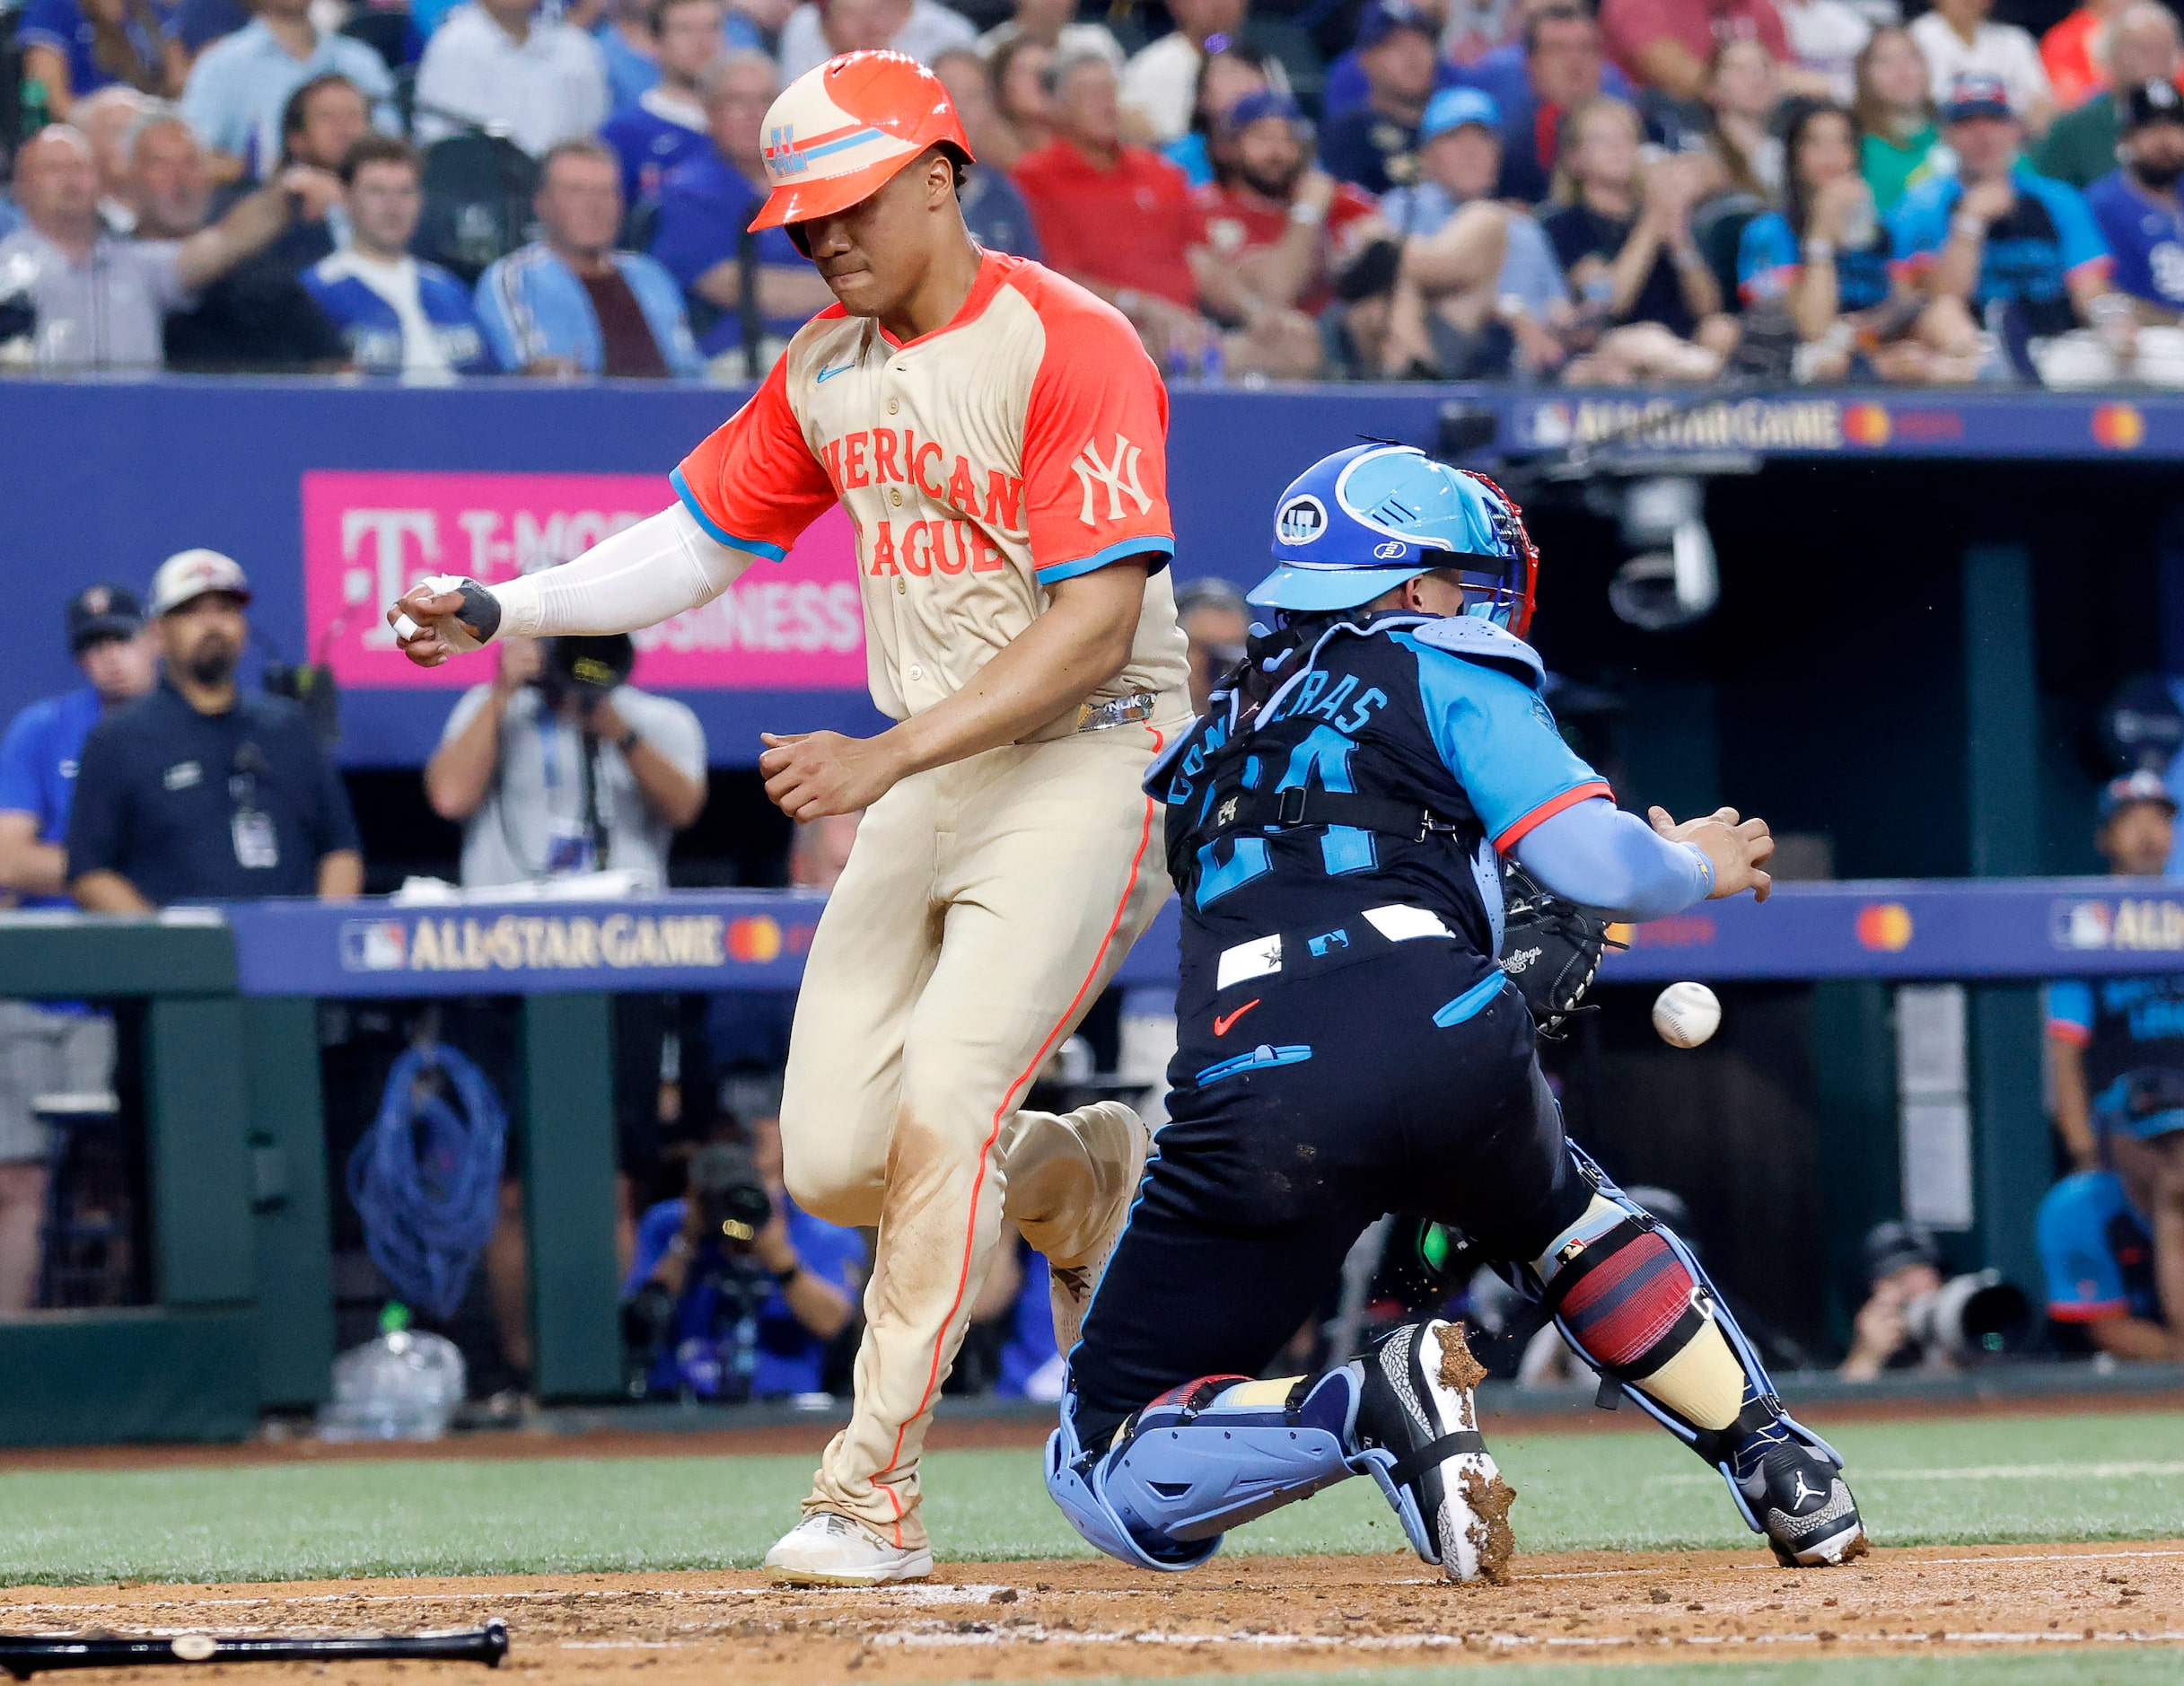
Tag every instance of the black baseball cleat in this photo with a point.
(1415, 1404)
(1799, 1499)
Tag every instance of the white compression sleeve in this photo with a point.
(665, 564)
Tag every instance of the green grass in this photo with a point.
(2091, 1478)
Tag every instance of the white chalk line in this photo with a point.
(1034, 1634)
(909, 1595)
(1962, 1473)
(1658, 1570)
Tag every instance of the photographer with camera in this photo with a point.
(561, 765)
(736, 1293)
(1915, 1318)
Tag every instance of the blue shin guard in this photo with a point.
(1203, 1458)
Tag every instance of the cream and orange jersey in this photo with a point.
(1020, 445)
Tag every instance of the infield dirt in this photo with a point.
(1042, 1620)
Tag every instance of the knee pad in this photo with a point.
(1201, 1459)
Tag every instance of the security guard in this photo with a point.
(197, 791)
(1348, 1046)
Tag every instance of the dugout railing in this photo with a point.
(235, 1158)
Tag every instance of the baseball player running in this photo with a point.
(1349, 1047)
(998, 435)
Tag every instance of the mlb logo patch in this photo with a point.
(1301, 520)
(373, 945)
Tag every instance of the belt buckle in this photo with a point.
(1115, 711)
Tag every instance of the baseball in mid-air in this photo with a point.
(1687, 1013)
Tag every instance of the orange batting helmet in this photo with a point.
(840, 133)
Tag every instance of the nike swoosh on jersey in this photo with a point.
(1223, 1022)
(829, 374)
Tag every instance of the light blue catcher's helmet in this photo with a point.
(1361, 522)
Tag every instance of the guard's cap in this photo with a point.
(190, 575)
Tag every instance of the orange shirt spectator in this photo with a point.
(2068, 52)
(1120, 218)
(1667, 43)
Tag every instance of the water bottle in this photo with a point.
(1863, 224)
(404, 1384)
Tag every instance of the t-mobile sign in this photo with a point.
(791, 625)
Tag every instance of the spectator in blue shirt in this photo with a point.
(196, 24)
(50, 1046)
(400, 314)
(1374, 144)
(703, 238)
(628, 48)
(665, 125)
(1347, 87)
(1824, 259)
(1479, 288)
(77, 47)
(569, 303)
(718, 1318)
(2097, 1253)
(2116, 1045)
(238, 87)
(2138, 207)
(1536, 83)
(1996, 233)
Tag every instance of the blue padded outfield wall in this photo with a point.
(102, 480)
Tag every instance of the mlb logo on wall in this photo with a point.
(373, 945)
(1301, 520)
(2082, 925)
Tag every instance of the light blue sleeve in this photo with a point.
(1495, 734)
(1598, 856)
(2084, 1283)
(493, 318)
(2068, 1008)
(1920, 222)
(1767, 258)
(2077, 236)
(661, 300)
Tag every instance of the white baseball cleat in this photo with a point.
(828, 1550)
(1070, 1288)
(1416, 1401)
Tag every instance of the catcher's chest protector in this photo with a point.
(1345, 736)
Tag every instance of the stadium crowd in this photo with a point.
(1658, 192)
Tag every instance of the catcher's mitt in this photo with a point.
(1550, 948)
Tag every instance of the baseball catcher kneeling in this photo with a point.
(1338, 823)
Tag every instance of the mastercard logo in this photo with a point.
(1867, 424)
(2119, 426)
(754, 941)
(1885, 927)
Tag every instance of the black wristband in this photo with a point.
(480, 610)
